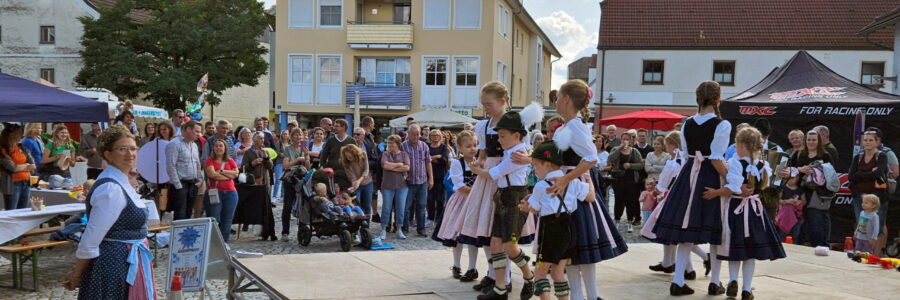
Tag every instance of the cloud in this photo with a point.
(572, 40)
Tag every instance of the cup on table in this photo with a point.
(34, 180)
(37, 204)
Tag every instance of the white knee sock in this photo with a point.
(490, 268)
(574, 275)
(716, 265)
(457, 254)
(509, 266)
(734, 267)
(699, 251)
(668, 255)
(682, 255)
(589, 275)
(473, 256)
(749, 268)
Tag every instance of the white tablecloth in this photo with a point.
(14, 223)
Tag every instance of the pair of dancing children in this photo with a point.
(486, 211)
(700, 207)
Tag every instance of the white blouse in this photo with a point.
(457, 174)
(720, 139)
(549, 204)
(602, 159)
(579, 139)
(107, 203)
(670, 171)
(479, 132)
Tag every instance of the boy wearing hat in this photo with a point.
(556, 234)
(508, 220)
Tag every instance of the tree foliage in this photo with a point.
(162, 57)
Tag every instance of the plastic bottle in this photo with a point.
(848, 244)
(175, 290)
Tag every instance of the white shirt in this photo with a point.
(720, 139)
(602, 159)
(579, 139)
(735, 177)
(107, 203)
(479, 132)
(507, 169)
(548, 204)
(670, 171)
(457, 174)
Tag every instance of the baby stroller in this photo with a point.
(315, 222)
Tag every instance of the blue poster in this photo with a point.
(188, 253)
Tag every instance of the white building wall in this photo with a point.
(685, 69)
(21, 53)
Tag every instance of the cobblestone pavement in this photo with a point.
(57, 262)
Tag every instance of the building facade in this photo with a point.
(404, 56)
(660, 65)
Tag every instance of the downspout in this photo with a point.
(598, 115)
(512, 48)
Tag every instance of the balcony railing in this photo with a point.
(380, 97)
(380, 35)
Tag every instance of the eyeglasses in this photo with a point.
(126, 149)
(358, 134)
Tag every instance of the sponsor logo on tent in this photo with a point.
(814, 92)
(846, 110)
(757, 110)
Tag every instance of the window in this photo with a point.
(502, 75)
(466, 71)
(869, 71)
(300, 14)
(300, 79)
(435, 71)
(48, 75)
(48, 35)
(467, 14)
(330, 13)
(465, 83)
(384, 72)
(723, 72)
(437, 14)
(503, 21)
(328, 90)
(653, 72)
(402, 14)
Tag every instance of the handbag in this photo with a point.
(246, 178)
(213, 192)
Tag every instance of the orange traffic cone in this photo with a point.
(175, 290)
(789, 240)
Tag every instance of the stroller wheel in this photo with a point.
(366, 238)
(345, 240)
(304, 235)
(893, 250)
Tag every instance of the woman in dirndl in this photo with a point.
(446, 231)
(479, 205)
(596, 239)
(113, 256)
(687, 219)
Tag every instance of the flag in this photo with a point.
(204, 81)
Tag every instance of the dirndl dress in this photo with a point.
(686, 217)
(475, 229)
(596, 237)
(752, 234)
(106, 277)
(447, 231)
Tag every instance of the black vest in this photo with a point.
(492, 143)
(758, 187)
(570, 158)
(468, 177)
(700, 137)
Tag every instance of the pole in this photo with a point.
(356, 110)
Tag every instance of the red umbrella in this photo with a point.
(651, 119)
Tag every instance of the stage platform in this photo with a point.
(426, 275)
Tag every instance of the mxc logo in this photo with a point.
(757, 110)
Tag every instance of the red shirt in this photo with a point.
(222, 185)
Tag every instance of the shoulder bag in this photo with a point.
(213, 192)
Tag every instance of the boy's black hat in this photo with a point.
(547, 151)
(521, 121)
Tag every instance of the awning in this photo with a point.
(439, 117)
(399, 97)
(23, 100)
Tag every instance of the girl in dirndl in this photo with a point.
(596, 237)
(749, 234)
(672, 143)
(687, 219)
(447, 231)
(478, 209)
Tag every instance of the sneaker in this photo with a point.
(527, 289)
(690, 275)
(745, 295)
(732, 289)
(382, 235)
(715, 289)
(400, 235)
(421, 234)
(469, 276)
(285, 237)
(456, 271)
(659, 268)
(485, 282)
(676, 290)
(630, 228)
(356, 240)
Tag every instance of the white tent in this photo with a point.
(112, 102)
(438, 117)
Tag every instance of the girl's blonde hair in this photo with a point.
(464, 137)
(751, 139)
(579, 92)
(29, 130)
(674, 139)
(874, 199)
(495, 88)
(56, 142)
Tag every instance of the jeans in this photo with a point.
(818, 226)
(416, 201)
(882, 209)
(364, 195)
(353, 210)
(277, 191)
(222, 212)
(21, 193)
(645, 214)
(290, 196)
(184, 199)
(393, 198)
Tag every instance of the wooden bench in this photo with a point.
(40, 231)
(25, 251)
(152, 239)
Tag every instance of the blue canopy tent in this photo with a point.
(23, 100)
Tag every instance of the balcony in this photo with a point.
(384, 35)
(390, 97)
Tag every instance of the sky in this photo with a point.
(572, 26)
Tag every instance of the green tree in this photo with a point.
(159, 49)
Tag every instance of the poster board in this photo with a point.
(197, 252)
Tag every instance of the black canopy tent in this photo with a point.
(23, 100)
(804, 93)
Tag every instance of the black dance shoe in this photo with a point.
(527, 289)
(715, 289)
(469, 276)
(707, 265)
(690, 275)
(486, 282)
(493, 295)
(683, 290)
(456, 272)
(732, 289)
(745, 295)
(659, 268)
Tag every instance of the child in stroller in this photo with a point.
(331, 210)
(321, 216)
